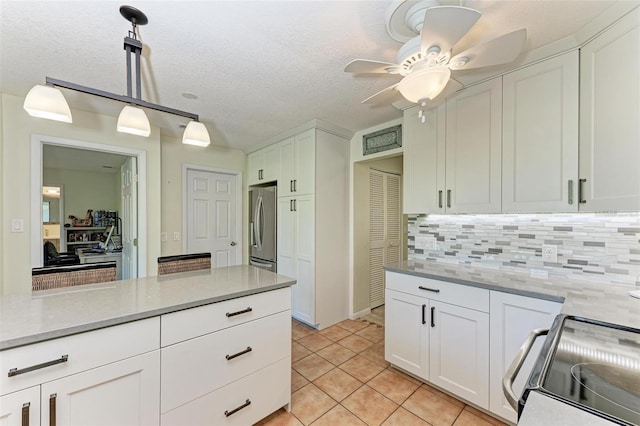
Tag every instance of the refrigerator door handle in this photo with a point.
(252, 232)
(259, 222)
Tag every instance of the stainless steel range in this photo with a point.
(591, 365)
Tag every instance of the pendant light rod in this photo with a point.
(121, 98)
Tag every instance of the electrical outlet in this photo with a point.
(176, 236)
(549, 253)
(163, 236)
(425, 243)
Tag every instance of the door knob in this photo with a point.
(233, 243)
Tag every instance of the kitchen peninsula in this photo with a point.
(223, 335)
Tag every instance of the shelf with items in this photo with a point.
(83, 236)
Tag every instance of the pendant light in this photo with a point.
(48, 101)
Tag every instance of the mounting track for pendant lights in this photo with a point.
(48, 101)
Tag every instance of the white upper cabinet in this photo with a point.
(422, 142)
(540, 137)
(263, 165)
(473, 152)
(609, 123)
(297, 164)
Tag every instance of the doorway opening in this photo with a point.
(72, 157)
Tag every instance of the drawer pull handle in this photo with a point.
(16, 371)
(433, 318)
(246, 351)
(25, 413)
(235, 410)
(233, 314)
(434, 290)
(52, 409)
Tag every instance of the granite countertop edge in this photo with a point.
(72, 329)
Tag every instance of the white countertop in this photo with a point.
(45, 315)
(604, 302)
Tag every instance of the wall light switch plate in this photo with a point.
(17, 225)
(163, 236)
(176, 236)
(549, 253)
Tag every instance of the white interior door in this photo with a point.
(384, 230)
(211, 216)
(129, 231)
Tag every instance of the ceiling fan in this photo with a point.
(425, 62)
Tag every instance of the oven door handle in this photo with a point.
(516, 364)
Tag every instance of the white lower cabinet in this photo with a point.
(122, 393)
(459, 340)
(21, 408)
(236, 373)
(513, 317)
(441, 342)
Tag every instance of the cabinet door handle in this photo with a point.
(433, 318)
(295, 185)
(570, 191)
(434, 290)
(580, 191)
(290, 205)
(246, 351)
(16, 371)
(235, 410)
(52, 409)
(291, 185)
(233, 314)
(449, 198)
(440, 198)
(424, 314)
(25, 413)
(295, 205)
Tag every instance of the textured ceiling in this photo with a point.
(258, 68)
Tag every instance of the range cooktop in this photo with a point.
(595, 366)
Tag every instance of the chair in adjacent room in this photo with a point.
(53, 258)
(183, 263)
(72, 275)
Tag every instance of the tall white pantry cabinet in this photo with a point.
(313, 224)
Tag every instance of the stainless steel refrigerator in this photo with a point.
(262, 227)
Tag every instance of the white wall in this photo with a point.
(17, 128)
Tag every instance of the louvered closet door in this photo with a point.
(384, 230)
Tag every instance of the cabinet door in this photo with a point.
(123, 393)
(287, 167)
(304, 211)
(286, 244)
(406, 332)
(305, 159)
(254, 167)
(21, 408)
(473, 151)
(513, 317)
(271, 163)
(540, 137)
(421, 164)
(609, 111)
(459, 340)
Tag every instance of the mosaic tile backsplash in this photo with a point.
(597, 247)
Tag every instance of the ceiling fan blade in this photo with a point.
(366, 66)
(445, 25)
(387, 95)
(501, 50)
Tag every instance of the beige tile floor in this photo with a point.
(339, 377)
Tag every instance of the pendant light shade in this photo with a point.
(196, 134)
(425, 84)
(133, 120)
(47, 102)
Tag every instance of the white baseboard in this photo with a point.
(360, 314)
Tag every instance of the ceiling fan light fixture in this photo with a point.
(425, 84)
(196, 134)
(47, 102)
(133, 120)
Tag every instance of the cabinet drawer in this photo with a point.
(456, 294)
(84, 351)
(190, 323)
(197, 367)
(267, 390)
